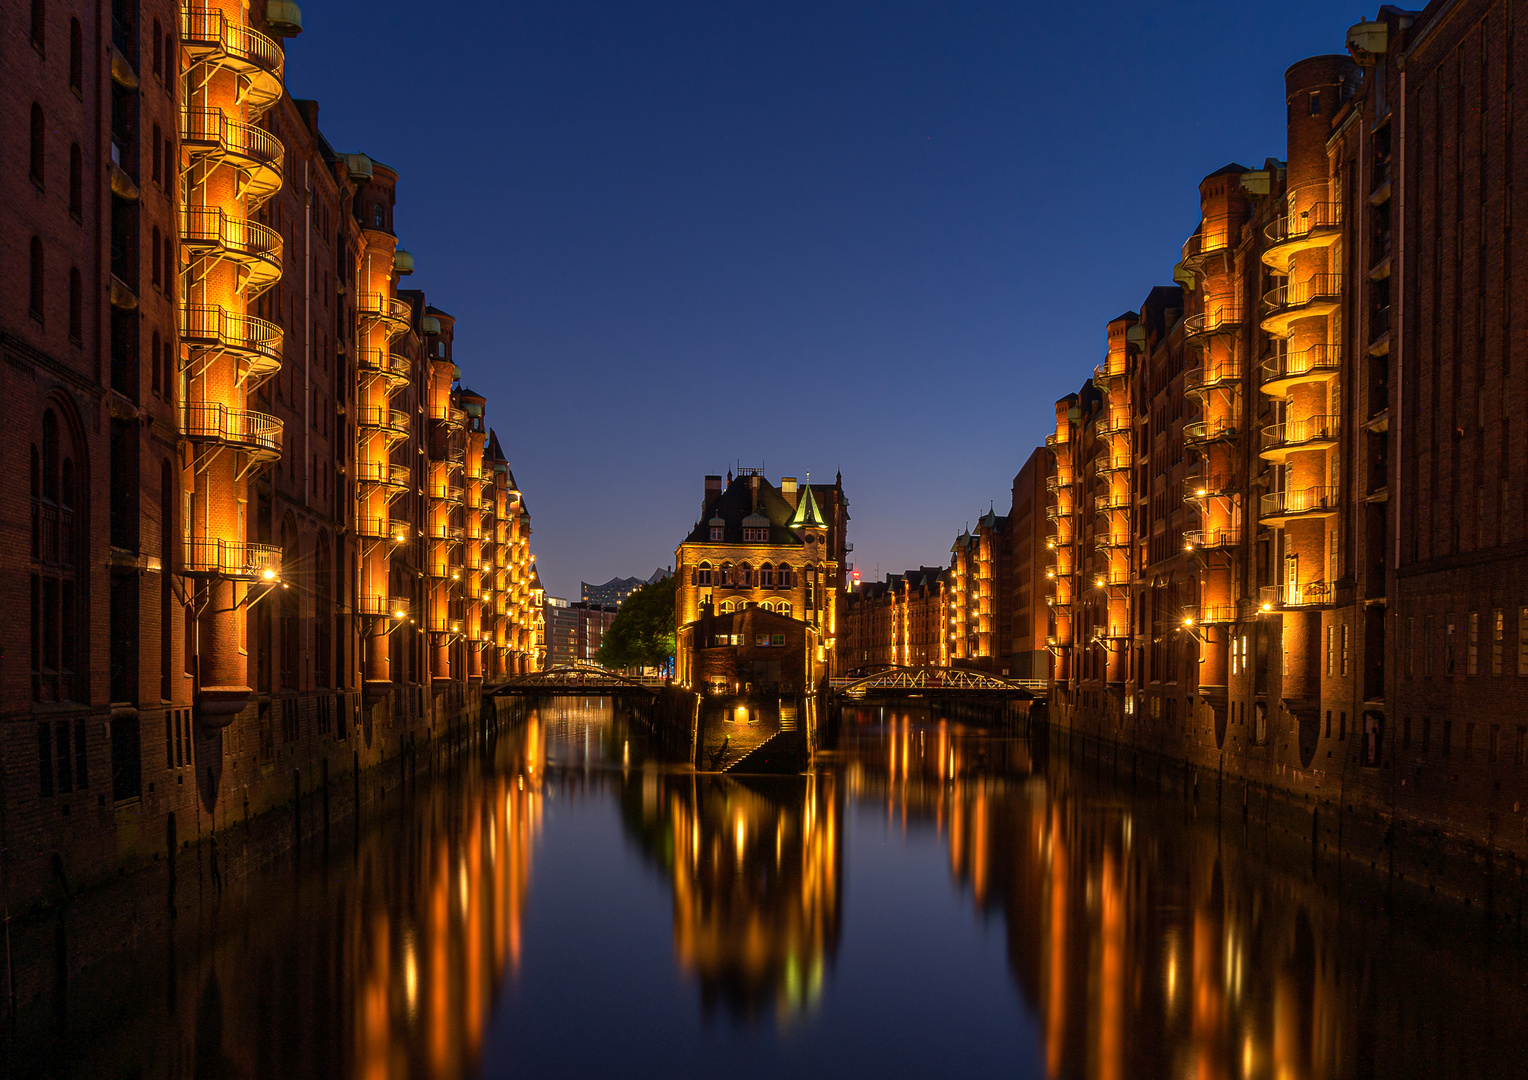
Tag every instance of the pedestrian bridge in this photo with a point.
(580, 679)
(897, 681)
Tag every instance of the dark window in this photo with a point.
(156, 148)
(154, 381)
(1315, 103)
(45, 759)
(38, 144)
(76, 56)
(126, 767)
(169, 267)
(158, 50)
(35, 291)
(39, 22)
(76, 305)
(76, 182)
(62, 758)
(154, 260)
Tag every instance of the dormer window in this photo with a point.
(755, 536)
(716, 532)
(718, 529)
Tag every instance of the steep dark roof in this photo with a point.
(1231, 168)
(735, 503)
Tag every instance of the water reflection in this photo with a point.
(1144, 935)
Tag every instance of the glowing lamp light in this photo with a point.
(399, 613)
(1267, 606)
(1188, 620)
(268, 574)
(1201, 492)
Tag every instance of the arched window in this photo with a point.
(767, 576)
(76, 57)
(745, 576)
(39, 23)
(783, 607)
(39, 132)
(35, 292)
(376, 215)
(726, 572)
(170, 59)
(76, 181)
(76, 305)
(169, 267)
(154, 252)
(703, 574)
(783, 576)
(154, 380)
(726, 607)
(57, 532)
(158, 51)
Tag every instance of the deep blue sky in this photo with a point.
(882, 237)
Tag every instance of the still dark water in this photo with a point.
(933, 900)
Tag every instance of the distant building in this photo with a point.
(574, 630)
(615, 591)
(779, 550)
(902, 620)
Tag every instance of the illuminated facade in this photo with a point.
(246, 453)
(1287, 507)
(781, 550)
(903, 620)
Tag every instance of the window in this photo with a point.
(1498, 639)
(154, 379)
(76, 182)
(761, 640)
(1472, 653)
(35, 292)
(767, 576)
(156, 150)
(755, 536)
(777, 640)
(1469, 740)
(717, 531)
(783, 608)
(1494, 743)
(1330, 653)
(154, 261)
(376, 215)
(745, 576)
(1344, 656)
(56, 546)
(1427, 646)
(1448, 643)
(39, 23)
(1411, 641)
(1315, 103)
(39, 133)
(76, 57)
(76, 306)
(1520, 746)
(158, 51)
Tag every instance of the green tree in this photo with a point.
(642, 634)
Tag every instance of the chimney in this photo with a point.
(713, 490)
(788, 490)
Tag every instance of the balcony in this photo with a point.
(209, 232)
(389, 312)
(1211, 615)
(1211, 539)
(1113, 579)
(443, 569)
(254, 153)
(1283, 371)
(394, 423)
(1212, 486)
(1278, 507)
(1109, 501)
(1317, 432)
(381, 528)
(1198, 249)
(1055, 510)
(1318, 225)
(254, 343)
(1222, 319)
(390, 475)
(1201, 433)
(1223, 374)
(451, 417)
(1111, 633)
(389, 607)
(391, 367)
(253, 433)
(257, 60)
(1058, 480)
(1310, 594)
(1317, 296)
(1108, 462)
(1113, 423)
(1110, 372)
(1111, 542)
(449, 493)
(232, 559)
(439, 530)
(1055, 439)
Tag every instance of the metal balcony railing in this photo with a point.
(379, 363)
(1294, 225)
(391, 607)
(1212, 486)
(253, 432)
(258, 247)
(1223, 372)
(389, 310)
(375, 418)
(1211, 614)
(1297, 294)
(1313, 361)
(1111, 369)
(255, 341)
(232, 559)
(1110, 541)
(1222, 319)
(381, 528)
(252, 150)
(1297, 595)
(449, 415)
(208, 36)
(1203, 432)
(1293, 434)
(389, 473)
(1058, 480)
(1311, 500)
(1211, 539)
(1116, 422)
(1055, 439)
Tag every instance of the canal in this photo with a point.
(932, 899)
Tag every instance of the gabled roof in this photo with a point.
(735, 503)
(807, 516)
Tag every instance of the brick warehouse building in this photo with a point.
(782, 550)
(903, 620)
(1289, 527)
(256, 536)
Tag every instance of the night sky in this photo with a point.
(876, 237)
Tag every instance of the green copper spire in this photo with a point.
(807, 515)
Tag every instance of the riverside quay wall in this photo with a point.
(1289, 510)
(255, 533)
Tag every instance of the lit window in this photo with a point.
(716, 532)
